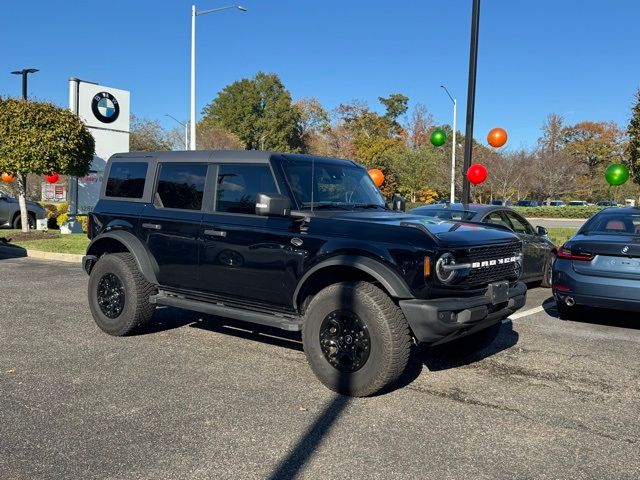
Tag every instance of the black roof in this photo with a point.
(236, 156)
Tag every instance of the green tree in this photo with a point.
(633, 147)
(258, 111)
(41, 138)
(147, 136)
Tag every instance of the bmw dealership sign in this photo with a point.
(105, 111)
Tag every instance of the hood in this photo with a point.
(453, 234)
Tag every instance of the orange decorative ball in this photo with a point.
(497, 137)
(7, 177)
(377, 176)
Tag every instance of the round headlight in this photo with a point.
(445, 273)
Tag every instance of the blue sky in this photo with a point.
(578, 58)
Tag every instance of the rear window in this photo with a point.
(126, 179)
(614, 223)
(181, 185)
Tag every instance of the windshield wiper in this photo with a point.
(369, 205)
(328, 205)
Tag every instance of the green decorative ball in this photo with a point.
(616, 174)
(438, 137)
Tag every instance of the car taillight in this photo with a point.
(570, 255)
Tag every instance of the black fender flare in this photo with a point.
(145, 261)
(388, 278)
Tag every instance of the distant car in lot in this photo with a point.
(600, 265)
(527, 203)
(607, 203)
(578, 203)
(539, 251)
(501, 203)
(556, 203)
(10, 211)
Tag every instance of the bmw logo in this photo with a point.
(105, 107)
(625, 249)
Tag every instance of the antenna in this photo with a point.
(313, 170)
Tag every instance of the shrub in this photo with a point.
(63, 208)
(52, 210)
(83, 219)
(558, 212)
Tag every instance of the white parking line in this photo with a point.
(524, 313)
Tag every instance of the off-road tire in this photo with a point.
(17, 221)
(388, 330)
(136, 310)
(547, 279)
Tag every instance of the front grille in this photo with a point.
(493, 273)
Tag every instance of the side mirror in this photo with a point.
(541, 231)
(397, 203)
(272, 204)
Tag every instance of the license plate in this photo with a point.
(499, 292)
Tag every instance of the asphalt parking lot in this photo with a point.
(193, 397)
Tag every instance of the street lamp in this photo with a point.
(194, 14)
(186, 130)
(24, 72)
(453, 148)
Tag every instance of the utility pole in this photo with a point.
(471, 99)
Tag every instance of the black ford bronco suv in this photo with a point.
(300, 243)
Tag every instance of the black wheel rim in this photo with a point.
(345, 341)
(111, 295)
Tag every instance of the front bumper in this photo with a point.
(441, 320)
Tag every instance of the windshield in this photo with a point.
(331, 185)
(613, 223)
(445, 214)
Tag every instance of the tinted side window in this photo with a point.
(496, 218)
(520, 225)
(126, 179)
(238, 186)
(181, 185)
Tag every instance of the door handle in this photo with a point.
(152, 226)
(215, 233)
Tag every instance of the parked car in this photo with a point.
(526, 203)
(299, 243)
(539, 251)
(600, 265)
(10, 211)
(606, 203)
(501, 203)
(556, 203)
(578, 203)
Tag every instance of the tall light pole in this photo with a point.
(194, 14)
(453, 148)
(24, 72)
(186, 130)
(471, 98)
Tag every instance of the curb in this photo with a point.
(60, 257)
(51, 256)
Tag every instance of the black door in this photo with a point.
(244, 255)
(535, 248)
(171, 225)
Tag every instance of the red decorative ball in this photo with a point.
(477, 173)
(53, 178)
(377, 176)
(497, 137)
(7, 177)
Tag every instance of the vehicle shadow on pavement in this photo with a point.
(598, 316)
(445, 357)
(8, 251)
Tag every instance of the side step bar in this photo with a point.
(291, 323)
